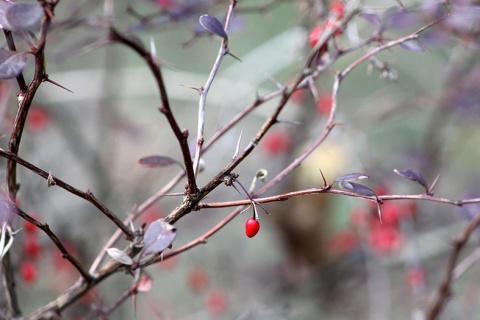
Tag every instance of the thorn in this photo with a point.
(325, 184)
(57, 84)
(289, 122)
(430, 191)
(237, 150)
(234, 56)
(198, 89)
(272, 79)
(313, 89)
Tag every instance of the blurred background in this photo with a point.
(315, 257)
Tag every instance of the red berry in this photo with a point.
(28, 271)
(342, 242)
(31, 247)
(38, 119)
(216, 302)
(30, 228)
(415, 277)
(197, 279)
(276, 142)
(251, 227)
(338, 9)
(324, 104)
(385, 239)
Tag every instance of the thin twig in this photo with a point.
(205, 89)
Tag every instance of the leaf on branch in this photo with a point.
(351, 177)
(21, 16)
(11, 63)
(373, 18)
(412, 46)
(412, 175)
(357, 188)
(212, 25)
(157, 161)
(120, 256)
(158, 237)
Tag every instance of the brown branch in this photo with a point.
(181, 135)
(84, 195)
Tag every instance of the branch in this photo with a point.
(443, 291)
(181, 135)
(84, 195)
(45, 228)
(204, 90)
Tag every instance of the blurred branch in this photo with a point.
(443, 292)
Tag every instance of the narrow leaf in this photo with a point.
(351, 177)
(357, 188)
(373, 18)
(11, 63)
(412, 46)
(120, 256)
(211, 24)
(412, 175)
(156, 161)
(158, 237)
(21, 16)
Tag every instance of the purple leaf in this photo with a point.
(351, 177)
(412, 46)
(158, 237)
(412, 175)
(357, 188)
(373, 18)
(157, 161)
(398, 18)
(21, 16)
(11, 63)
(211, 24)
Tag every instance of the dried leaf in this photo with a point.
(120, 256)
(352, 177)
(158, 237)
(11, 63)
(156, 161)
(211, 24)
